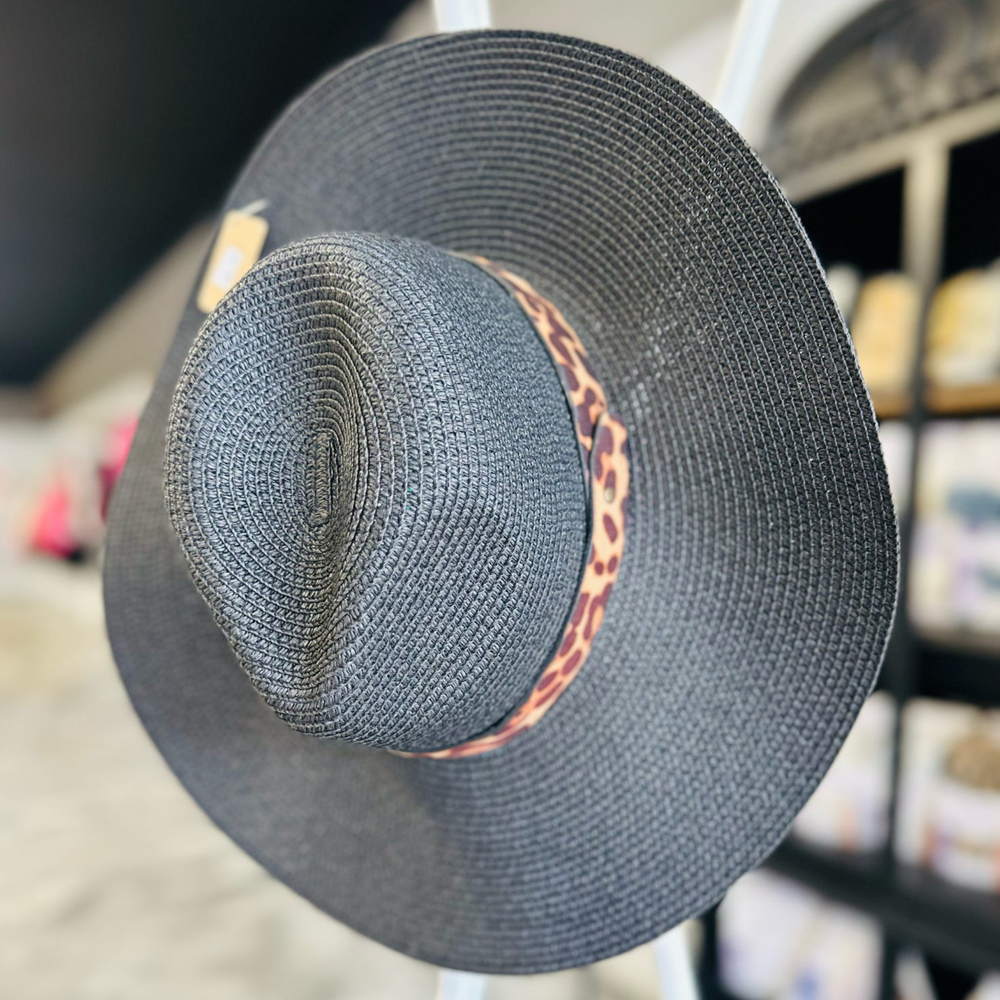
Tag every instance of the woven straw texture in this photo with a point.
(373, 472)
(758, 582)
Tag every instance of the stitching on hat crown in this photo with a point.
(373, 475)
(320, 470)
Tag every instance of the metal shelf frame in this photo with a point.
(893, 152)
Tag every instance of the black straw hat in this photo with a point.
(503, 560)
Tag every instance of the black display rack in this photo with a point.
(927, 202)
(914, 907)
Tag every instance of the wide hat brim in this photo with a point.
(758, 582)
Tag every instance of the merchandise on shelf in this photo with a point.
(964, 818)
(62, 524)
(781, 941)
(850, 809)
(56, 475)
(884, 328)
(955, 579)
(963, 330)
(949, 796)
(116, 449)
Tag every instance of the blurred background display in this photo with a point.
(121, 126)
(955, 581)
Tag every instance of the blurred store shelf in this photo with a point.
(957, 925)
(959, 666)
(974, 400)
(964, 400)
(890, 405)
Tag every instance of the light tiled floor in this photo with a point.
(114, 886)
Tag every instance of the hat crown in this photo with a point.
(373, 474)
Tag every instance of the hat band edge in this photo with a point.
(602, 437)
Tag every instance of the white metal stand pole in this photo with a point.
(744, 56)
(461, 15)
(673, 966)
(460, 985)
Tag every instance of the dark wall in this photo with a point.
(120, 123)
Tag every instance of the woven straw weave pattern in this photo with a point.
(373, 473)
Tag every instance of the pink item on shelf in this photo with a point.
(115, 454)
(51, 530)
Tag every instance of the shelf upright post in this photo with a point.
(925, 206)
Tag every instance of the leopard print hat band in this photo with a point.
(602, 437)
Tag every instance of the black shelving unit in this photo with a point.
(908, 200)
(958, 668)
(914, 907)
